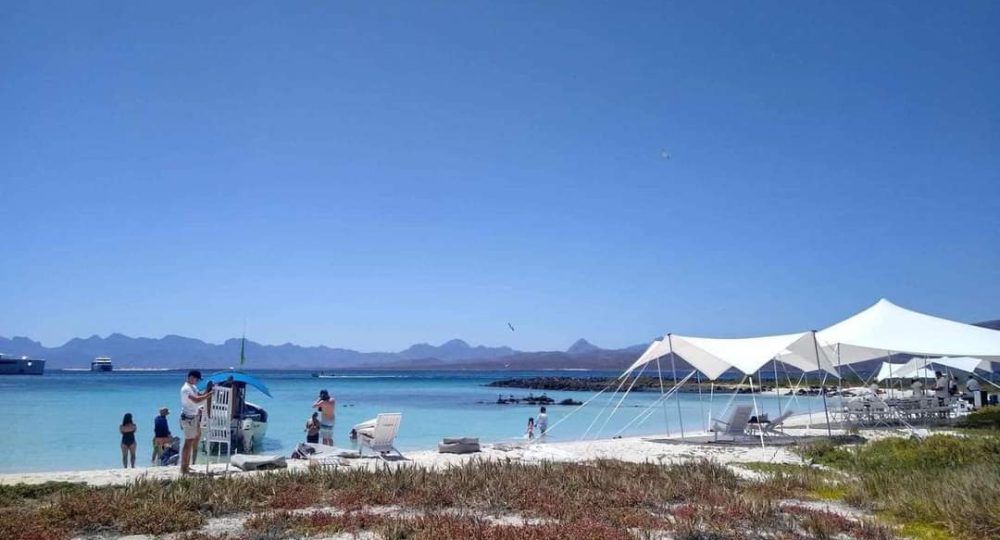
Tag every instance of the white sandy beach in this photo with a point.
(657, 449)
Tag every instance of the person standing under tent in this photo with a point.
(326, 406)
(975, 391)
(940, 386)
(917, 388)
(952, 385)
(191, 417)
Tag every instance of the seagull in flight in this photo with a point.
(511, 326)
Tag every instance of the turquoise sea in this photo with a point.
(68, 420)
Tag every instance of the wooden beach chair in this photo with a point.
(382, 437)
(736, 426)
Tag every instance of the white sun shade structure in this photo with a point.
(714, 356)
(961, 363)
(886, 328)
(898, 371)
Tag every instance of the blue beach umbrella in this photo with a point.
(223, 376)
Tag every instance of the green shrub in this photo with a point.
(985, 418)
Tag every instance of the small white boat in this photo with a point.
(249, 420)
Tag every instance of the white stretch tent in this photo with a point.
(898, 371)
(886, 328)
(961, 363)
(714, 356)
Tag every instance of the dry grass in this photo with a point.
(604, 499)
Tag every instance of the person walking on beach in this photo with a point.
(127, 429)
(543, 422)
(531, 428)
(325, 404)
(312, 428)
(191, 417)
(161, 433)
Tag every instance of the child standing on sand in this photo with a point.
(312, 428)
(531, 428)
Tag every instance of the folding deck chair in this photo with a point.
(736, 426)
(382, 437)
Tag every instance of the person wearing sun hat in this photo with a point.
(161, 433)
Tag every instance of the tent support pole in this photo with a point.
(673, 366)
(659, 375)
(822, 388)
(711, 401)
(701, 404)
(756, 411)
(774, 364)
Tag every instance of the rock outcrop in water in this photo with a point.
(595, 384)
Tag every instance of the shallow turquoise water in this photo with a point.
(69, 420)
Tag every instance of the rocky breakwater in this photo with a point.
(594, 384)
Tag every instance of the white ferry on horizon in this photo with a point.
(101, 363)
(21, 366)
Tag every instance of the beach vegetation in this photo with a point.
(942, 485)
(601, 499)
(985, 418)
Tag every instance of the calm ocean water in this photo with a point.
(69, 420)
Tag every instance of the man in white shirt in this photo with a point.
(973, 385)
(941, 387)
(191, 417)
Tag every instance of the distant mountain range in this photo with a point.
(182, 352)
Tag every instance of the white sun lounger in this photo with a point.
(736, 426)
(771, 428)
(382, 437)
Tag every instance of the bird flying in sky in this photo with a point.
(511, 327)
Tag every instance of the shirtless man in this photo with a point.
(325, 404)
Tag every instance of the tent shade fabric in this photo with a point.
(898, 371)
(887, 328)
(714, 356)
(962, 363)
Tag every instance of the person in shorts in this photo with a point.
(327, 414)
(191, 417)
(161, 433)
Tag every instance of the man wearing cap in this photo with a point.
(191, 417)
(161, 433)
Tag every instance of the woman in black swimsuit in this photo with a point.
(127, 430)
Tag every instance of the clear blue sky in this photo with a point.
(375, 174)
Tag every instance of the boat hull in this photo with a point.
(21, 366)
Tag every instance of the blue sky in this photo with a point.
(371, 175)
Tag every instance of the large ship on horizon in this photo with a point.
(21, 366)
(101, 363)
